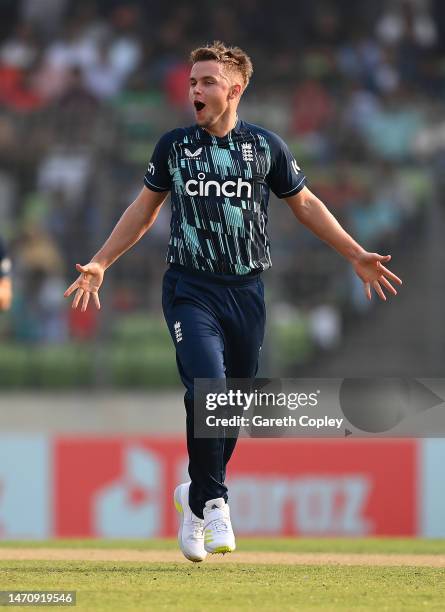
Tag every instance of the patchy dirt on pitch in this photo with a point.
(169, 556)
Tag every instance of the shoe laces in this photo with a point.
(219, 524)
(198, 529)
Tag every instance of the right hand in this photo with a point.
(88, 283)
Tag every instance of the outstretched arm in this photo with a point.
(312, 213)
(134, 223)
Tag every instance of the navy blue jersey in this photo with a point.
(220, 193)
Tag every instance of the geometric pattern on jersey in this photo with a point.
(220, 193)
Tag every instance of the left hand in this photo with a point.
(370, 269)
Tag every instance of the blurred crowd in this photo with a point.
(87, 87)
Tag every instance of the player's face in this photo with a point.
(209, 92)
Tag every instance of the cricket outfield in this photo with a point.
(264, 574)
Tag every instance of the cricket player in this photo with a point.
(5, 279)
(219, 173)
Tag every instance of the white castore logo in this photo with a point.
(247, 152)
(295, 167)
(197, 153)
(151, 168)
(178, 331)
(229, 189)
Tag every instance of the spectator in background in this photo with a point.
(391, 131)
(17, 90)
(313, 108)
(18, 56)
(126, 47)
(73, 114)
(5, 279)
(359, 57)
(407, 18)
(176, 84)
(46, 15)
(39, 316)
(20, 50)
(72, 50)
(103, 77)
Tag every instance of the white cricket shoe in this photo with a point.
(218, 532)
(191, 530)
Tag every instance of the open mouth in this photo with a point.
(199, 105)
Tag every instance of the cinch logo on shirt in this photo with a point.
(230, 189)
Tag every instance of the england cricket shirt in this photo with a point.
(219, 194)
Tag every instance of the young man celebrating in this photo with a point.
(219, 173)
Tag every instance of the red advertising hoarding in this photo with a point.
(122, 487)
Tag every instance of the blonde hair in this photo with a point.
(233, 59)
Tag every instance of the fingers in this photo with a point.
(71, 288)
(77, 298)
(390, 274)
(388, 285)
(84, 295)
(84, 288)
(96, 300)
(76, 285)
(83, 269)
(367, 287)
(85, 300)
(379, 290)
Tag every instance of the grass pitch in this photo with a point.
(225, 584)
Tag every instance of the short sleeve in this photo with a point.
(285, 177)
(157, 177)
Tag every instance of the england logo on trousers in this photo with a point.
(178, 331)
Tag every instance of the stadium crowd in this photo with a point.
(87, 87)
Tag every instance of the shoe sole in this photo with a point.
(222, 550)
(180, 510)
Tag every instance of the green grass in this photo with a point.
(122, 586)
(137, 586)
(303, 545)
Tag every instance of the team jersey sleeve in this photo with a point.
(158, 177)
(285, 177)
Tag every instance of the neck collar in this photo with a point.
(237, 128)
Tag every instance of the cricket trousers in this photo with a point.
(217, 326)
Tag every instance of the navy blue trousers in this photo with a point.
(217, 326)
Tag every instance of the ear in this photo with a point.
(235, 91)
